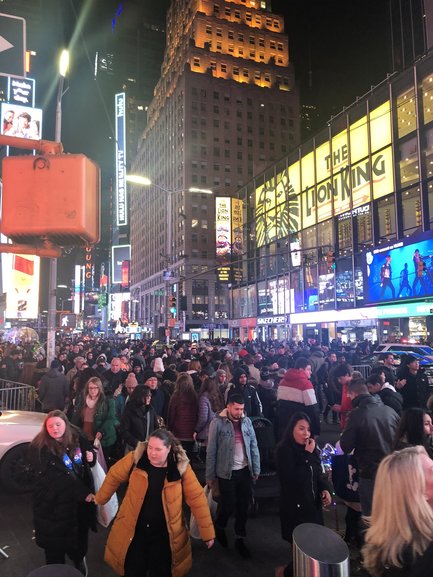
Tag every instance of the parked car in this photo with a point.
(17, 429)
(422, 350)
(425, 361)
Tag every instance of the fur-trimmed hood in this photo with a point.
(177, 460)
(224, 414)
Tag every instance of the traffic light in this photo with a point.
(330, 259)
(172, 304)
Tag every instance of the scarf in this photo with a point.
(90, 402)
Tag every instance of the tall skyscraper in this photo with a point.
(225, 107)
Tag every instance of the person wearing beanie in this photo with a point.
(267, 394)
(240, 386)
(159, 398)
(53, 390)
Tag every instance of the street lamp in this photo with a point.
(52, 280)
(145, 181)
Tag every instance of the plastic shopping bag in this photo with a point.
(193, 526)
(104, 513)
(100, 454)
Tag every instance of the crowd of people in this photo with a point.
(160, 411)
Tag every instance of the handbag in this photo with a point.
(345, 477)
(193, 526)
(104, 513)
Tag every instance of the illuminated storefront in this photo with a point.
(320, 223)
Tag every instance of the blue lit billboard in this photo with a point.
(400, 270)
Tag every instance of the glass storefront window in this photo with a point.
(296, 291)
(409, 166)
(430, 200)
(428, 152)
(363, 225)
(427, 98)
(412, 215)
(344, 288)
(344, 229)
(325, 237)
(406, 113)
(386, 218)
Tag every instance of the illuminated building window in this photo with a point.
(245, 73)
(261, 42)
(208, 29)
(219, 32)
(231, 48)
(268, 21)
(231, 35)
(257, 74)
(248, 16)
(196, 61)
(252, 53)
(223, 67)
(240, 37)
(427, 98)
(252, 40)
(276, 24)
(237, 14)
(406, 112)
(227, 11)
(273, 44)
(235, 71)
(258, 20)
(280, 46)
(213, 65)
(219, 46)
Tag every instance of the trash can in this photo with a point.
(319, 552)
(55, 570)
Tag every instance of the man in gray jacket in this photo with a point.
(53, 390)
(232, 464)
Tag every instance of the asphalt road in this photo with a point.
(264, 540)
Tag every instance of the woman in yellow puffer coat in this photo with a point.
(149, 533)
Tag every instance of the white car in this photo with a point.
(17, 429)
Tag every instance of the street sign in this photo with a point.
(68, 321)
(12, 45)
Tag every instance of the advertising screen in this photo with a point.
(400, 270)
(119, 254)
(21, 284)
(21, 121)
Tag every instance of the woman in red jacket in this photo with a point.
(183, 412)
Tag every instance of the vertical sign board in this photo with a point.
(119, 254)
(121, 208)
(21, 284)
(12, 45)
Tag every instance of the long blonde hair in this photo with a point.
(401, 519)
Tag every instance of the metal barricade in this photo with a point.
(363, 369)
(17, 396)
(319, 552)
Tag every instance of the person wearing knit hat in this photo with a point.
(159, 398)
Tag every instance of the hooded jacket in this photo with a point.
(53, 390)
(253, 406)
(180, 483)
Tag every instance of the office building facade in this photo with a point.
(224, 109)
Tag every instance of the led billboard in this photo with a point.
(400, 270)
(121, 206)
(21, 121)
(21, 284)
(119, 254)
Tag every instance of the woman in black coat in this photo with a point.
(62, 509)
(304, 488)
(139, 418)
